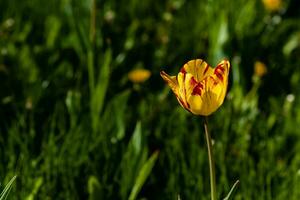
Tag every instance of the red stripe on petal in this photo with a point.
(197, 90)
(220, 67)
(206, 68)
(193, 81)
(219, 71)
(214, 81)
(197, 87)
(219, 76)
(184, 104)
(182, 70)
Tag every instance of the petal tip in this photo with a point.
(163, 74)
(226, 62)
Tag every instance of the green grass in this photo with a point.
(72, 126)
(6, 190)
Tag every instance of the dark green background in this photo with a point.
(72, 126)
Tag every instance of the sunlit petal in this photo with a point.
(200, 89)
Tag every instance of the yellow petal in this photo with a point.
(204, 104)
(199, 88)
(182, 93)
(171, 81)
(174, 85)
(212, 92)
(218, 82)
(198, 68)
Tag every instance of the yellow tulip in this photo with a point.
(198, 87)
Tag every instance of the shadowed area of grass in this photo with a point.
(73, 125)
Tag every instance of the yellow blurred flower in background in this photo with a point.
(198, 87)
(139, 75)
(260, 69)
(272, 5)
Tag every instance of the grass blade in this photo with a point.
(231, 190)
(7, 189)
(143, 175)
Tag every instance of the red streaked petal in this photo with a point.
(197, 87)
(182, 70)
(219, 75)
(171, 81)
(206, 68)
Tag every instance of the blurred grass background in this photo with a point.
(73, 125)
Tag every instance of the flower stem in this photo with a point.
(212, 173)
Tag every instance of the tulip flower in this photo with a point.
(201, 90)
(198, 87)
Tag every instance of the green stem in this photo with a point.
(212, 173)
